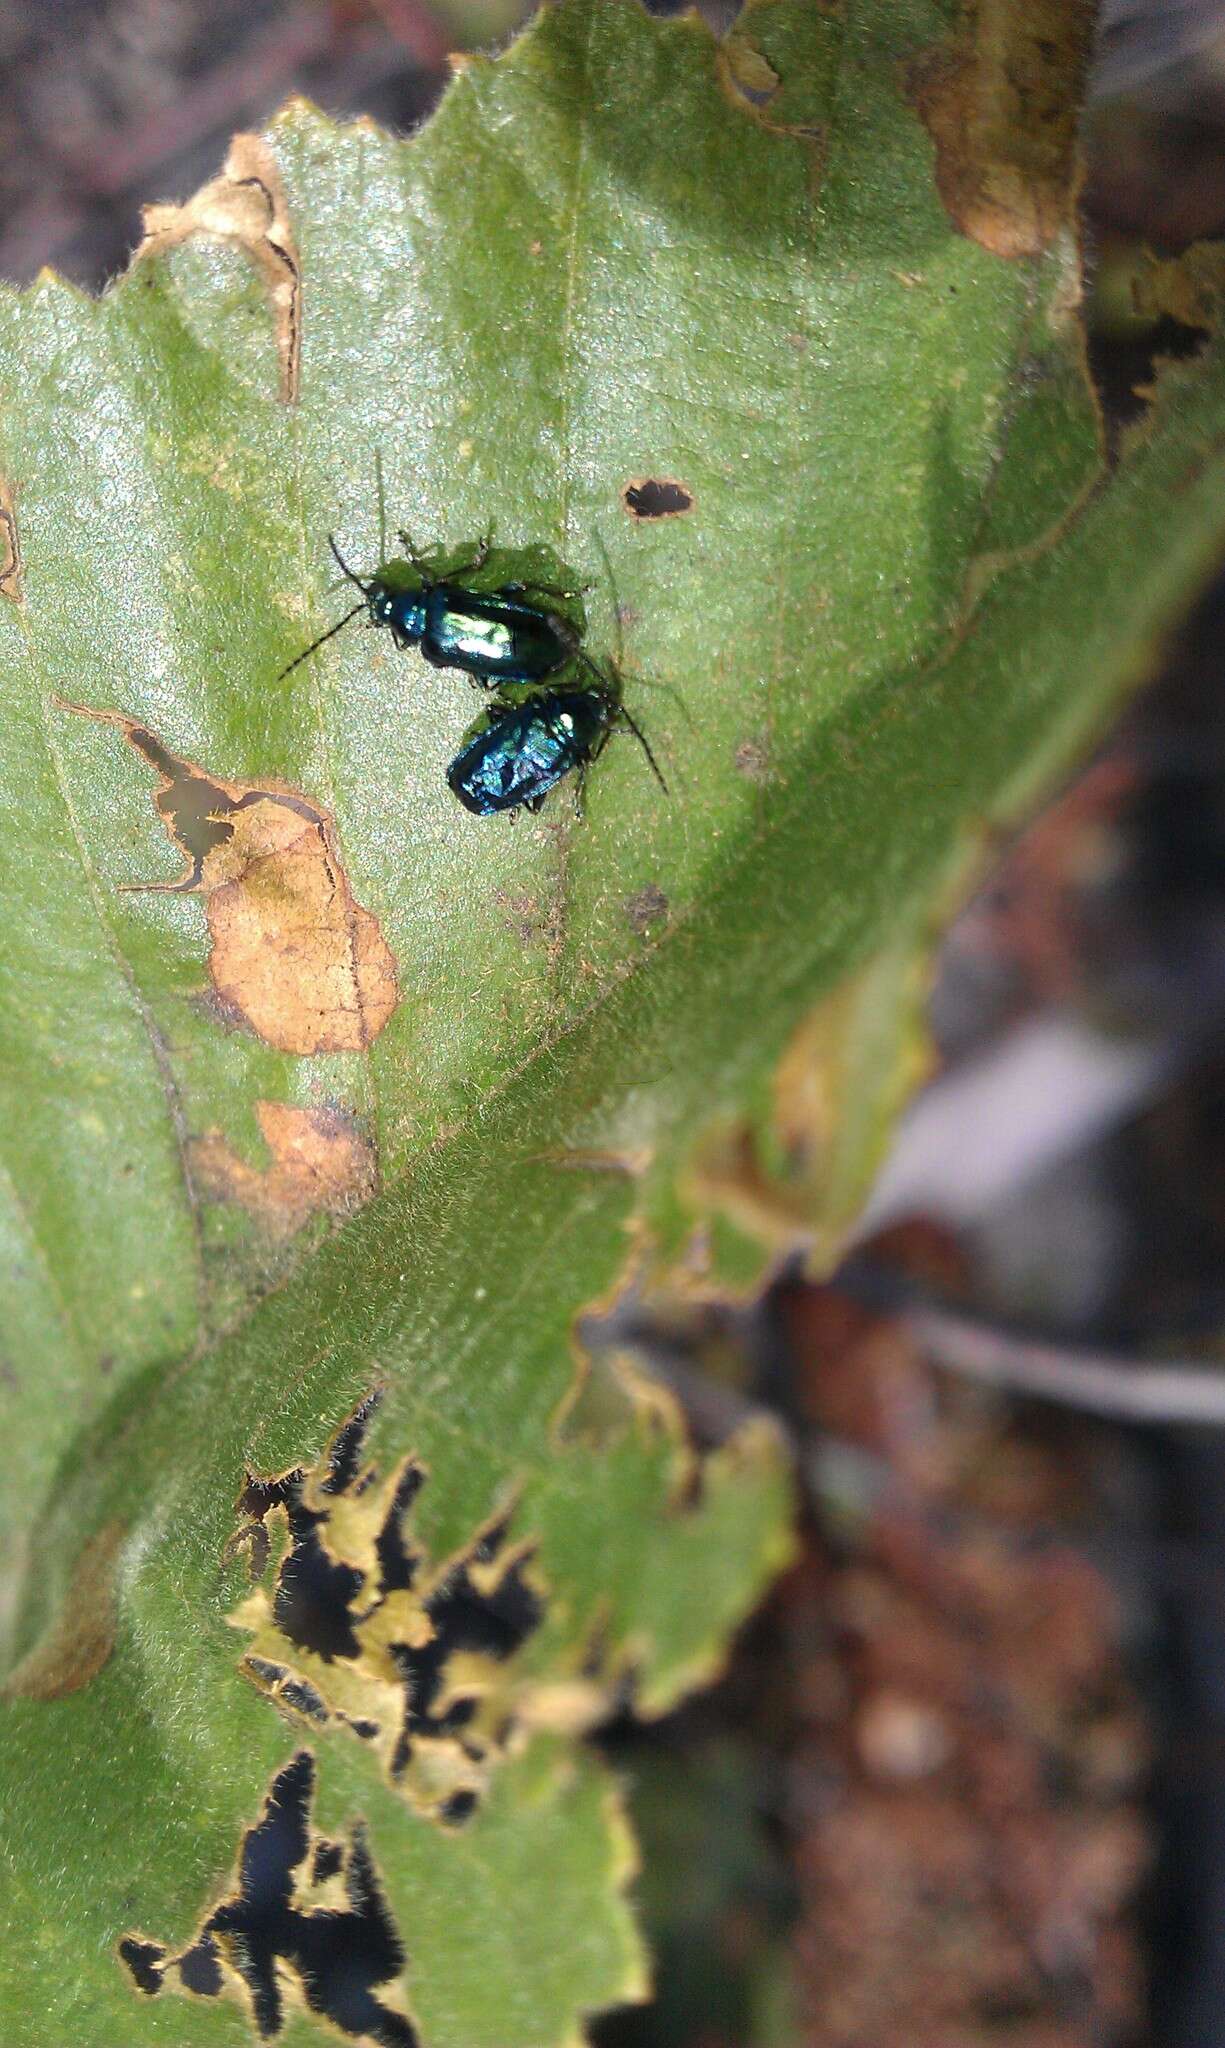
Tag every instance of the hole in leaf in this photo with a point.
(200, 1968)
(458, 1808)
(397, 1563)
(144, 1959)
(345, 1449)
(652, 497)
(271, 1933)
(297, 1693)
(355, 1614)
(493, 1622)
(1124, 368)
(314, 1590)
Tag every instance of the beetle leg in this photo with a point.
(623, 718)
(479, 559)
(415, 556)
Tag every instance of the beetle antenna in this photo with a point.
(345, 570)
(611, 686)
(644, 743)
(649, 682)
(322, 637)
(378, 480)
(616, 601)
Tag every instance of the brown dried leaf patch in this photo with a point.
(1002, 106)
(245, 206)
(320, 1163)
(293, 952)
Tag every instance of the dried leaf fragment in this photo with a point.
(1001, 105)
(320, 1162)
(245, 205)
(293, 953)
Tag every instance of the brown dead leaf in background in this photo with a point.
(82, 1635)
(1002, 107)
(293, 953)
(245, 205)
(319, 1162)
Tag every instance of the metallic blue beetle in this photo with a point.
(517, 752)
(495, 636)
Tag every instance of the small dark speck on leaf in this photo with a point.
(649, 907)
(752, 760)
(652, 497)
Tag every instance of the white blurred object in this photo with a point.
(979, 1134)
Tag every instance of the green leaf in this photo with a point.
(392, 1095)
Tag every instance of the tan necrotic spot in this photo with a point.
(1002, 105)
(245, 206)
(293, 953)
(320, 1163)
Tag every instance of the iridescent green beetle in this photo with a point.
(518, 751)
(497, 637)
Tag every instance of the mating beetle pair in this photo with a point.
(524, 744)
